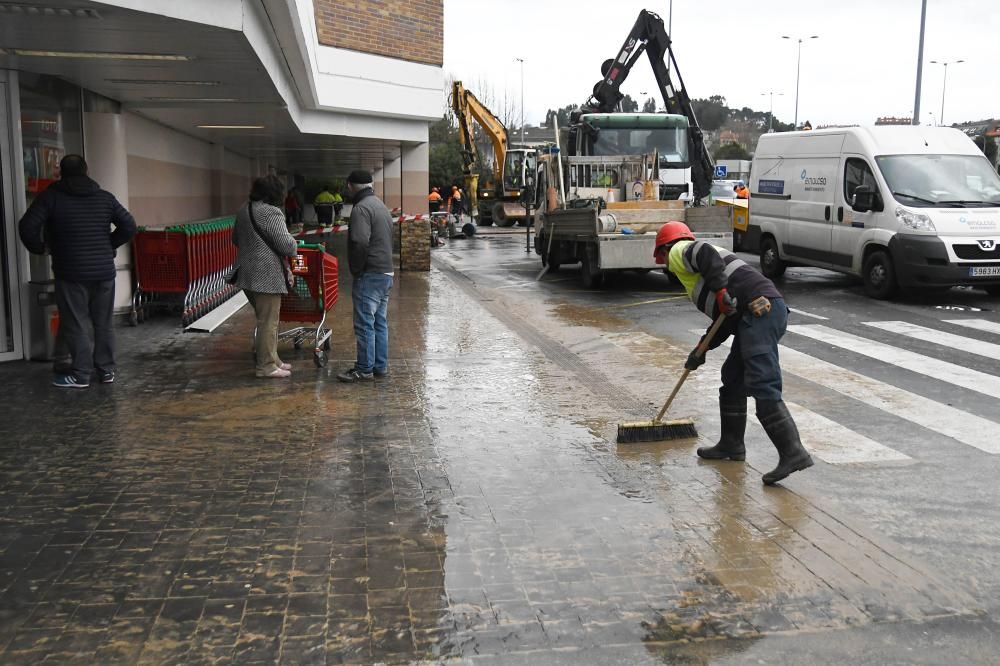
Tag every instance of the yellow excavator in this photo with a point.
(496, 200)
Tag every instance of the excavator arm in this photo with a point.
(468, 109)
(649, 35)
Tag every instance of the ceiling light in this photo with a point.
(63, 12)
(192, 99)
(230, 126)
(96, 55)
(155, 82)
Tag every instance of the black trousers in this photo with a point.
(85, 314)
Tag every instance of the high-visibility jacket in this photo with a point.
(704, 269)
(434, 196)
(325, 197)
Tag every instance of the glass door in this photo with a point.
(10, 313)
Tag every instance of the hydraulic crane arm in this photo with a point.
(467, 108)
(649, 35)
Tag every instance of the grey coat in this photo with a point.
(369, 236)
(257, 267)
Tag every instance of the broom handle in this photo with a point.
(701, 349)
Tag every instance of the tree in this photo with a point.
(712, 113)
(629, 105)
(562, 114)
(731, 151)
(445, 160)
(649, 106)
(988, 146)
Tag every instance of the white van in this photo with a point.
(911, 207)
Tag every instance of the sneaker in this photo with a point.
(68, 381)
(277, 373)
(354, 375)
(380, 373)
(285, 366)
(106, 376)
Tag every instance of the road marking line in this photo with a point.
(655, 300)
(973, 380)
(938, 417)
(834, 444)
(808, 314)
(978, 324)
(958, 342)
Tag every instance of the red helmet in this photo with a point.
(670, 233)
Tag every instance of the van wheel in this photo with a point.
(879, 276)
(771, 264)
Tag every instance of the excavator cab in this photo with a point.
(518, 165)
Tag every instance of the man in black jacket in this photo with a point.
(72, 220)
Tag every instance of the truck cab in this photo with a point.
(631, 134)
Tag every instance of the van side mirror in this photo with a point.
(864, 199)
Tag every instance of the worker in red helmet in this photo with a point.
(718, 282)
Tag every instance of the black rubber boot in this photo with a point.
(780, 427)
(733, 413)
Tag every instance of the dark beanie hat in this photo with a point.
(360, 177)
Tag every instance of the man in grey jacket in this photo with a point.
(369, 244)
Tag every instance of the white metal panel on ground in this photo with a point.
(959, 342)
(973, 380)
(978, 324)
(216, 317)
(834, 444)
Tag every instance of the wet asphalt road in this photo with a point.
(908, 429)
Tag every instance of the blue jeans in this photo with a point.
(752, 368)
(371, 328)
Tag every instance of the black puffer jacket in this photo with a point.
(72, 219)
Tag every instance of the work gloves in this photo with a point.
(694, 360)
(726, 304)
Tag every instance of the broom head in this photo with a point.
(655, 431)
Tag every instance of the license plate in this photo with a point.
(984, 271)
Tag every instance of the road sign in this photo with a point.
(721, 171)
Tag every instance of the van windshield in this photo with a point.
(941, 181)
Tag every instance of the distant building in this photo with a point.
(989, 128)
(893, 120)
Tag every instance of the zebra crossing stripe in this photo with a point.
(834, 444)
(959, 342)
(973, 380)
(978, 324)
(938, 417)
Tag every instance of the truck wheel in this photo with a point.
(500, 217)
(771, 264)
(593, 277)
(879, 276)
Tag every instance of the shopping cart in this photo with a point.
(314, 294)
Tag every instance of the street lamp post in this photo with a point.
(770, 112)
(521, 60)
(798, 70)
(944, 83)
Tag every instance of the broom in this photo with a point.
(657, 430)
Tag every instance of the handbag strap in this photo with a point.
(260, 235)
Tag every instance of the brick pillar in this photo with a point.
(416, 181)
(415, 245)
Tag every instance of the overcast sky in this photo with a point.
(862, 66)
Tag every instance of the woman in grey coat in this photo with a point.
(261, 270)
